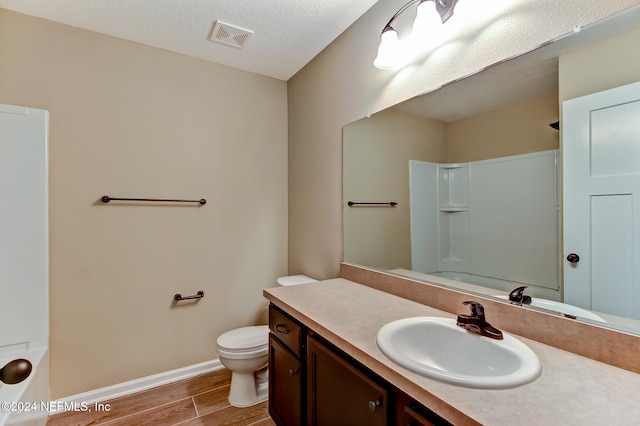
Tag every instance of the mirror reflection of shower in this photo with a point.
(491, 223)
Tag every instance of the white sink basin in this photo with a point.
(563, 308)
(437, 348)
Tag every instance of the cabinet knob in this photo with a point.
(292, 372)
(281, 328)
(373, 405)
(573, 258)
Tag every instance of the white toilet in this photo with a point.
(245, 351)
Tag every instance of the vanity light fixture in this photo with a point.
(430, 14)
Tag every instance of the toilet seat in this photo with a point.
(244, 342)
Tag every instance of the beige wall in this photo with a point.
(377, 151)
(605, 65)
(133, 121)
(519, 129)
(341, 85)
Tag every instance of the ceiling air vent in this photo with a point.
(229, 35)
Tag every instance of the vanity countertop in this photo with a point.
(571, 389)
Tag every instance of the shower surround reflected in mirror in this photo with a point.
(500, 113)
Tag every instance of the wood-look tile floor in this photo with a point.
(200, 401)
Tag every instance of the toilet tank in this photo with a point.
(294, 280)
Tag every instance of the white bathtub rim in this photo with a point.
(34, 352)
(14, 350)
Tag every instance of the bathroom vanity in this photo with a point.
(313, 382)
(324, 362)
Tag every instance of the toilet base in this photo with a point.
(244, 392)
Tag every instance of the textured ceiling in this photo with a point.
(518, 80)
(287, 33)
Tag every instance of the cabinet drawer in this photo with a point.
(286, 330)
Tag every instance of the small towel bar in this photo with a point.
(105, 199)
(178, 297)
(387, 204)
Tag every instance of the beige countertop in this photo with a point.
(572, 390)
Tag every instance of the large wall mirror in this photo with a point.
(463, 186)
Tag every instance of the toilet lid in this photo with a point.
(245, 338)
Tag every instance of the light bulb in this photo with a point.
(427, 22)
(390, 50)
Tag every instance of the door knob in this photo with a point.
(15, 371)
(573, 258)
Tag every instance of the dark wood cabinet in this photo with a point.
(313, 383)
(285, 385)
(286, 369)
(340, 394)
(410, 413)
(287, 330)
(412, 418)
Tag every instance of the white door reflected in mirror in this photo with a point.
(601, 135)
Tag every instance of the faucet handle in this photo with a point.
(517, 297)
(477, 310)
(476, 322)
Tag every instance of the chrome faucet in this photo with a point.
(517, 297)
(476, 322)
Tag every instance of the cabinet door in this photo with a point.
(285, 385)
(411, 413)
(339, 394)
(411, 418)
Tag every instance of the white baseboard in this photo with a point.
(138, 385)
